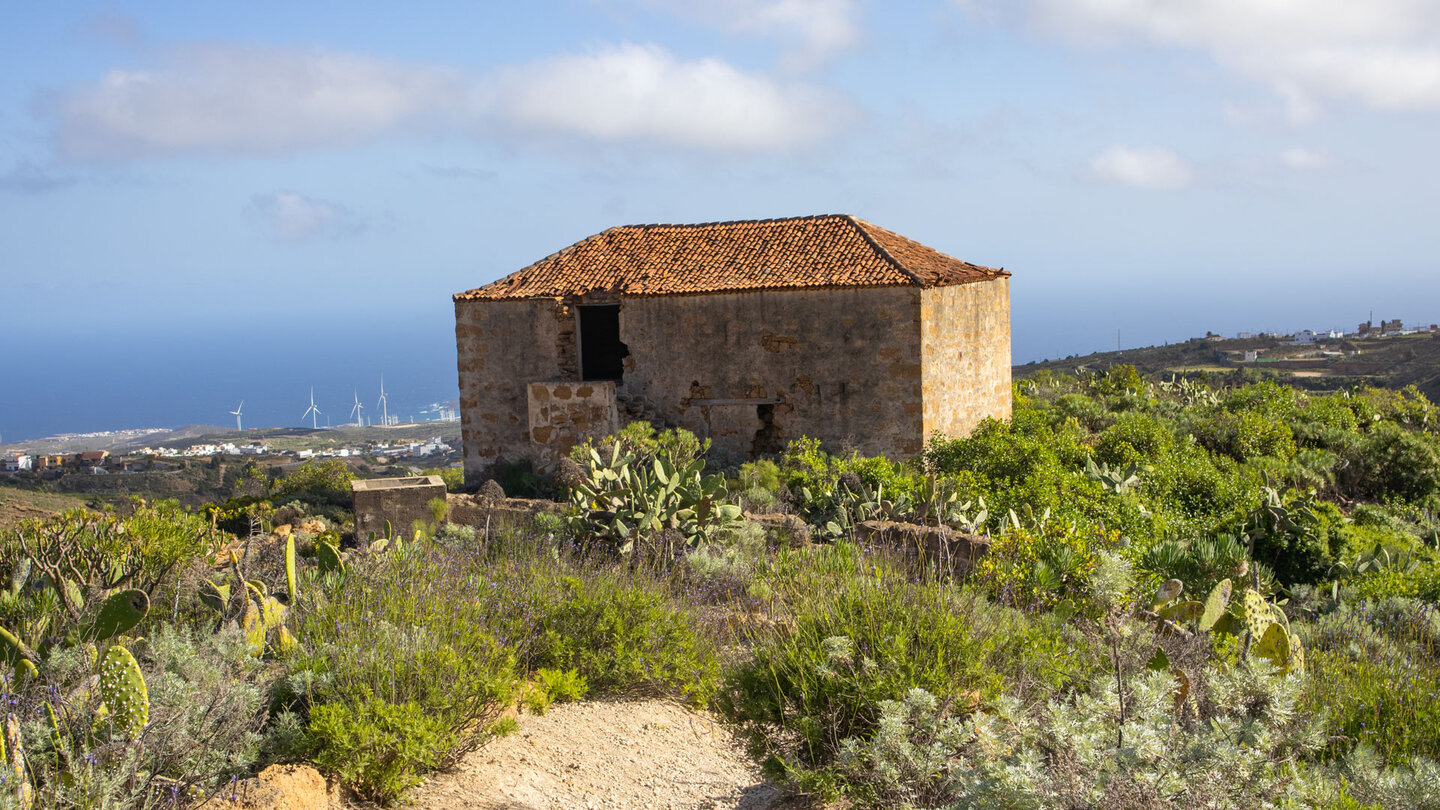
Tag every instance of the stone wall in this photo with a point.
(966, 349)
(502, 347)
(401, 501)
(753, 371)
(564, 414)
(927, 549)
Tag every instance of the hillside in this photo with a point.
(1327, 365)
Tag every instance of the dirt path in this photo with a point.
(632, 755)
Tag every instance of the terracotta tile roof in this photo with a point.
(835, 250)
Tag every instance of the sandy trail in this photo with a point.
(636, 755)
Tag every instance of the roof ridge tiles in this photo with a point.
(861, 225)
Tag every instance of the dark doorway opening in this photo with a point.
(767, 439)
(602, 355)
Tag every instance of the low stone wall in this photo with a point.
(789, 530)
(401, 501)
(928, 547)
(480, 511)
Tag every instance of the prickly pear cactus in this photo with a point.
(1215, 604)
(52, 723)
(215, 597)
(272, 613)
(14, 652)
(1168, 592)
(16, 775)
(253, 624)
(285, 642)
(121, 612)
(329, 559)
(1274, 646)
(122, 687)
(1258, 615)
(290, 583)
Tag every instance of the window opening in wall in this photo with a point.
(602, 355)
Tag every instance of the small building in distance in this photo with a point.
(750, 333)
(18, 461)
(92, 458)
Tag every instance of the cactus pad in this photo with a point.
(121, 612)
(1296, 662)
(254, 626)
(272, 613)
(285, 643)
(1168, 592)
(215, 597)
(1274, 647)
(329, 559)
(290, 584)
(1187, 611)
(16, 775)
(1258, 615)
(122, 687)
(52, 723)
(1215, 604)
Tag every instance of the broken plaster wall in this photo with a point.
(966, 349)
(840, 365)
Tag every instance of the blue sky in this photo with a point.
(295, 190)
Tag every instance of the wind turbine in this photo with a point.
(355, 411)
(313, 412)
(384, 408)
(236, 414)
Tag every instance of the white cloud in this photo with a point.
(1302, 159)
(818, 29)
(231, 100)
(637, 92)
(257, 101)
(1150, 167)
(1381, 53)
(292, 217)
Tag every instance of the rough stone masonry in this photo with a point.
(751, 333)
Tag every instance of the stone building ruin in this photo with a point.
(751, 333)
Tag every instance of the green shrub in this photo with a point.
(1247, 435)
(1375, 671)
(378, 748)
(1238, 744)
(454, 477)
(849, 643)
(412, 627)
(315, 481)
(622, 633)
(563, 686)
(1392, 461)
(1041, 568)
(1134, 439)
(641, 440)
